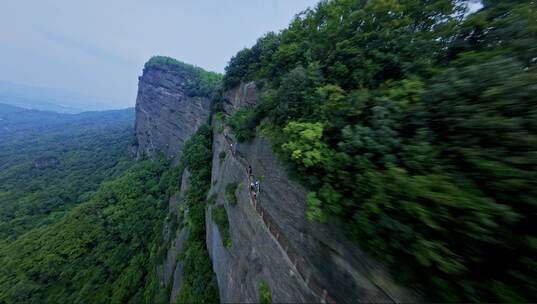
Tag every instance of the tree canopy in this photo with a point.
(415, 123)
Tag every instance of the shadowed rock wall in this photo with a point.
(166, 113)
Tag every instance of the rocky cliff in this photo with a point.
(268, 240)
(172, 102)
(175, 232)
(272, 240)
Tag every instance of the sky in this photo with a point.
(97, 48)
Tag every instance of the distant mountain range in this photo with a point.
(14, 120)
(46, 99)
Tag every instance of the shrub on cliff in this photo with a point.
(252, 63)
(264, 293)
(243, 123)
(219, 216)
(230, 193)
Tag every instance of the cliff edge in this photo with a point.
(172, 103)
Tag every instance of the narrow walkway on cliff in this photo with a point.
(280, 238)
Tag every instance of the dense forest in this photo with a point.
(102, 251)
(87, 226)
(415, 123)
(64, 235)
(40, 179)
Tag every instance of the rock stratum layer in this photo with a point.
(170, 106)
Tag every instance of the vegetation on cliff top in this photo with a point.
(416, 125)
(199, 82)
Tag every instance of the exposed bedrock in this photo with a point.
(166, 115)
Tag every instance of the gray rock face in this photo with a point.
(326, 259)
(243, 95)
(165, 115)
(254, 256)
(172, 103)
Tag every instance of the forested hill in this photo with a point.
(14, 120)
(49, 162)
(82, 216)
(101, 251)
(416, 125)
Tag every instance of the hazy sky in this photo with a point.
(98, 47)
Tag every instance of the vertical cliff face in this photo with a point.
(172, 102)
(268, 240)
(273, 241)
(254, 256)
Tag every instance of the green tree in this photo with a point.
(415, 125)
(304, 143)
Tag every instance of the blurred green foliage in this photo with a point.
(415, 123)
(219, 215)
(221, 156)
(211, 200)
(230, 193)
(264, 293)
